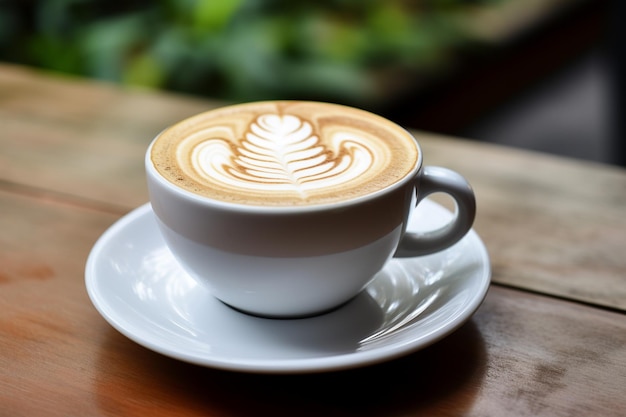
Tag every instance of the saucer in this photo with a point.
(138, 287)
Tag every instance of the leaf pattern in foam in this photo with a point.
(283, 153)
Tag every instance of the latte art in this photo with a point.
(284, 153)
(281, 153)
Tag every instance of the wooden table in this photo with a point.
(550, 338)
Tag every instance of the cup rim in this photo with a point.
(268, 209)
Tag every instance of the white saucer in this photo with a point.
(140, 290)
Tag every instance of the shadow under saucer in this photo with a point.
(441, 379)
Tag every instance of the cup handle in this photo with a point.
(435, 179)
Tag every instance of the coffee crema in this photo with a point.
(284, 153)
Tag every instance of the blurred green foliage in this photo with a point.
(336, 50)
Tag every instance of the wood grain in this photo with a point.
(71, 163)
(49, 332)
(81, 138)
(521, 354)
(551, 224)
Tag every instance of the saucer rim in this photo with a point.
(333, 362)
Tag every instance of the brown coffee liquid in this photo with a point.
(284, 153)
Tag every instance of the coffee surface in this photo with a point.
(284, 153)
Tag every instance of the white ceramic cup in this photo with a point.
(288, 262)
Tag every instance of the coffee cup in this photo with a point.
(288, 209)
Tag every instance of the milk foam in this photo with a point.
(284, 153)
(281, 153)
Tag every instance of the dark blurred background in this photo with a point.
(537, 74)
